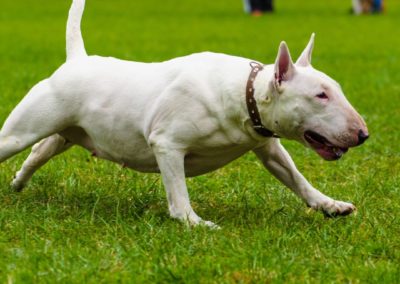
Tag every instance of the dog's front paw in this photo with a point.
(208, 224)
(337, 208)
(191, 219)
(202, 223)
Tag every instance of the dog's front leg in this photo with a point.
(171, 165)
(276, 159)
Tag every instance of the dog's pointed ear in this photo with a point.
(305, 57)
(284, 68)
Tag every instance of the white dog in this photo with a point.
(184, 117)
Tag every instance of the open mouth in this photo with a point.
(323, 147)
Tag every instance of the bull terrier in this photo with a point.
(185, 117)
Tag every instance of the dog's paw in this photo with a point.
(193, 220)
(337, 208)
(208, 224)
(17, 184)
(202, 223)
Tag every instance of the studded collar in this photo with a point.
(252, 105)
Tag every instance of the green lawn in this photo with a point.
(83, 220)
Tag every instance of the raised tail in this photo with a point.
(75, 45)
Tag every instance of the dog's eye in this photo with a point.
(322, 96)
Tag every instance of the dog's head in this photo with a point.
(311, 108)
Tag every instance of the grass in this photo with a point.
(83, 220)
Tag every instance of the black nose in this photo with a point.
(362, 137)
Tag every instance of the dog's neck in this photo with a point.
(233, 90)
(252, 103)
(264, 95)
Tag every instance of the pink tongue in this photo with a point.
(326, 154)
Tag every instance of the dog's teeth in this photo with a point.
(337, 151)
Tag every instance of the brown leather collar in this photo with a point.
(252, 104)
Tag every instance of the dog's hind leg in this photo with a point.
(41, 153)
(278, 162)
(40, 114)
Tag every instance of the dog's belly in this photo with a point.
(143, 159)
(129, 150)
(195, 163)
(133, 152)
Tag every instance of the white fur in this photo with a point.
(183, 117)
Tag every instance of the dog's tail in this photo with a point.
(75, 45)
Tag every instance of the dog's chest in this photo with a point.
(207, 160)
